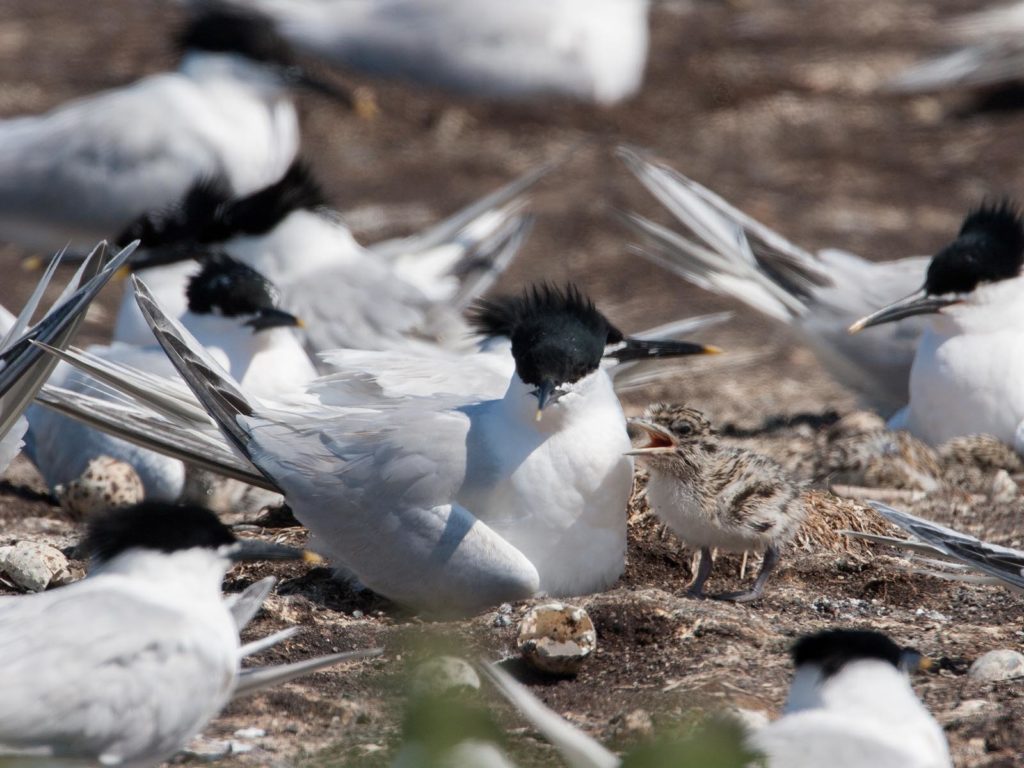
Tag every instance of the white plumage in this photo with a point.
(593, 50)
(818, 295)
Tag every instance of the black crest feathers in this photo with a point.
(557, 335)
(230, 288)
(989, 247)
(832, 649)
(183, 223)
(260, 212)
(154, 525)
(220, 28)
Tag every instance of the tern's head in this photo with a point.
(822, 659)
(559, 339)
(988, 249)
(227, 288)
(152, 532)
(253, 37)
(665, 427)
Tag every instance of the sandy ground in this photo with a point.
(772, 104)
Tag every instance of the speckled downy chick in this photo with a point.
(716, 496)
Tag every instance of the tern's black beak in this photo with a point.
(274, 318)
(254, 549)
(659, 439)
(917, 303)
(649, 349)
(354, 100)
(913, 661)
(543, 394)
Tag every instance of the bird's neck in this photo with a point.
(279, 367)
(227, 338)
(990, 308)
(193, 575)
(866, 689)
(214, 69)
(585, 397)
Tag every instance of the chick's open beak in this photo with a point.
(659, 439)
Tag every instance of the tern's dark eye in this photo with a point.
(682, 428)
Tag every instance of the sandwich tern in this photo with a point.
(84, 170)
(233, 310)
(451, 502)
(125, 666)
(818, 295)
(593, 51)
(394, 294)
(23, 368)
(850, 705)
(712, 496)
(968, 364)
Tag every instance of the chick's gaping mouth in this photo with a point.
(654, 439)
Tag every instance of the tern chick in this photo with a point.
(712, 495)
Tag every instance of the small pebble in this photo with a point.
(1002, 664)
(34, 566)
(556, 638)
(250, 733)
(444, 674)
(105, 483)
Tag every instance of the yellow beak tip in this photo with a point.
(311, 558)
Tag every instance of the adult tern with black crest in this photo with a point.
(454, 501)
(84, 170)
(125, 666)
(398, 294)
(850, 705)
(969, 364)
(233, 310)
(816, 294)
